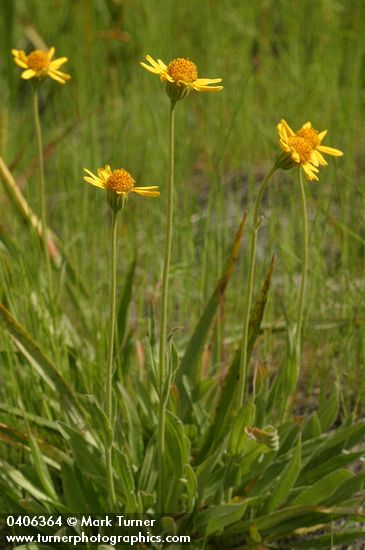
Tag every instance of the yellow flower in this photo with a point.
(119, 181)
(303, 148)
(181, 76)
(39, 64)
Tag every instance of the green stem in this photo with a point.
(42, 190)
(164, 302)
(249, 290)
(304, 276)
(109, 368)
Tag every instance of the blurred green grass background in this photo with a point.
(301, 60)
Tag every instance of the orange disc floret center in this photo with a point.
(302, 146)
(183, 70)
(38, 61)
(310, 134)
(120, 181)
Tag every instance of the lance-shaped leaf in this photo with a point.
(124, 306)
(286, 480)
(39, 360)
(195, 347)
(218, 428)
(190, 360)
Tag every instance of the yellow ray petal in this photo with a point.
(61, 74)
(295, 156)
(148, 187)
(162, 64)
(152, 61)
(22, 55)
(308, 169)
(29, 73)
(104, 173)
(149, 68)
(90, 173)
(51, 53)
(205, 81)
(165, 76)
(284, 146)
(207, 88)
(94, 182)
(56, 63)
(144, 193)
(330, 151)
(20, 63)
(321, 160)
(288, 130)
(56, 77)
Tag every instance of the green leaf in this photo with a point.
(287, 480)
(204, 471)
(218, 428)
(125, 485)
(331, 445)
(177, 444)
(40, 465)
(190, 360)
(72, 490)
(9, 500)
(322, 490)
(17, 479)
(191, 482)
(39, 361)
(98, 420)
(148, 473)
(259, 308)
(311, 475)
(274, 522)
(40, 421)
(216, 518)
(245, 417)
(123, 309)
(347, 490)
(87, 456)
(134, 430)
(312, 427)
(328, 410)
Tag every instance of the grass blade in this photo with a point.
(124, 306)
(218, 428)
(39, 361)
(194, 349)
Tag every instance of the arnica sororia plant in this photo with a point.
(119, 184)
(181, 76)
(37, 66)
(302, 149)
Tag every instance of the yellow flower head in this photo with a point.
(39, 64)
(303, 148)
(181, 76)
(119, 183)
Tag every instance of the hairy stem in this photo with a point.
(42, 191)
(304, 274)
(164, 302)
(109, 367)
